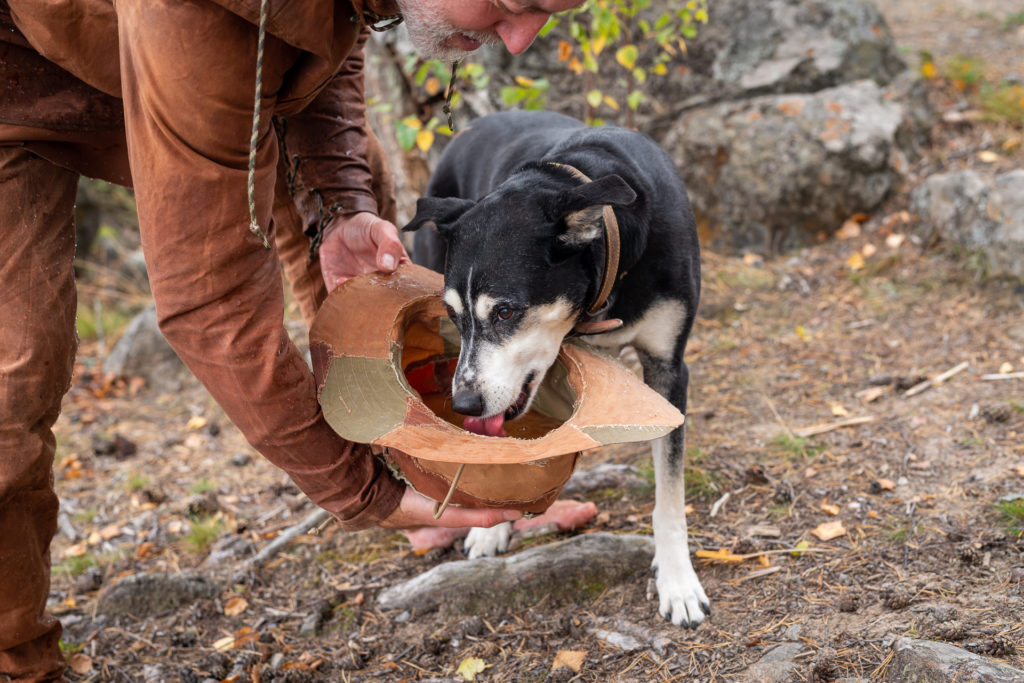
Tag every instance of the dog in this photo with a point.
(545, 227)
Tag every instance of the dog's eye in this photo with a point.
(503, 312)
(450, 311)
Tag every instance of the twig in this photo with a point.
(1004, 375)
(935, 381)
(832, 426)
(719, 503)
(314, 519)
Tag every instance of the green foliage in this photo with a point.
(1004, 101)
(1013, 21)
(205, 530)
(97, 320)
(137, 482)
(202, 486)
(616, 46)
(795, 446)
(76, 566)
(1011, 514)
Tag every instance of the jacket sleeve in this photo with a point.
(326, 148)
(219, 294)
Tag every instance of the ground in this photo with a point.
(152, 481)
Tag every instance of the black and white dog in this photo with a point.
(545, 227)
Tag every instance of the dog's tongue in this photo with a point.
(488, 426)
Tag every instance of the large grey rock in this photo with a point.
(578, 568)
(144, 595)
(779, 171)
(143, 352)
(926, 661)
(977, 214)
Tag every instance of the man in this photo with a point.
(158, 95)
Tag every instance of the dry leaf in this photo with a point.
(838, 410)
(144, 550)
(830, 508)
(235, 606)
(76, 550)
(1006, 368)
(826, 531)
(110, 531)
(871, 393)
(1020, 470)
(988, 156)
(764, 560)
(688, 510)
(470, 667)
(849, 230)
(94, 538)
(196, 422)
(80, 663)
(810, 472)
(855, 262)
(224, 644)
(570, 658)
(894, 240)
(720, 555)
(886, 484)
(869, 250)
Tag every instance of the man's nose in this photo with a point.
(518, 31)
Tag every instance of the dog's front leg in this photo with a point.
(681, 597)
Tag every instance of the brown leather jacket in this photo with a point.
(157, 94)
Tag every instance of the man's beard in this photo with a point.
(430, 34)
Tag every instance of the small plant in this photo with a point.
(964, 72)
(76, 566)
(137, 482)
(205, 530)
(1011, 514)
(1013, 21)
(700, 483)
(1003, 102)
(201, 486)
(795, 446)
(70, 648)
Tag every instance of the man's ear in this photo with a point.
(440, 213)
(581, 208)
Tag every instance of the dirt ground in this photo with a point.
(839, 331)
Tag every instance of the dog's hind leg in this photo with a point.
(487, 542)
(681, 597)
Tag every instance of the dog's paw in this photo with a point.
(490, 541)
(681, 597)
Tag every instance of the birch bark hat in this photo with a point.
(384, 352)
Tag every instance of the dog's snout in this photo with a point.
(468, 403)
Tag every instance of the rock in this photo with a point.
(574, 569)
(605, 476)
(778, 665)
(144, 595)
(780, 171)
(976, 214)
(784, 46)
(925, 661)
(143, 352)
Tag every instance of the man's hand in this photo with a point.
(359, 243)
(416, 510)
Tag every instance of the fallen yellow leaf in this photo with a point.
(838, 410)
(830, 508)
(720, 555)
(826, 531)
(570, 658)
(424, 139)
(470, 667)
(855, 262)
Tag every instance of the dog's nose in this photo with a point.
(468, 403)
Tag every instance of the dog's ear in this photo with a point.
(439, 213)
(581, 207)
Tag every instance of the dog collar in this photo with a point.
(611, 264)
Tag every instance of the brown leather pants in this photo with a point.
(37, 349)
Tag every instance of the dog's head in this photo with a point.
(517, 277)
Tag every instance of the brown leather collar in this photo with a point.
(609, 275)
